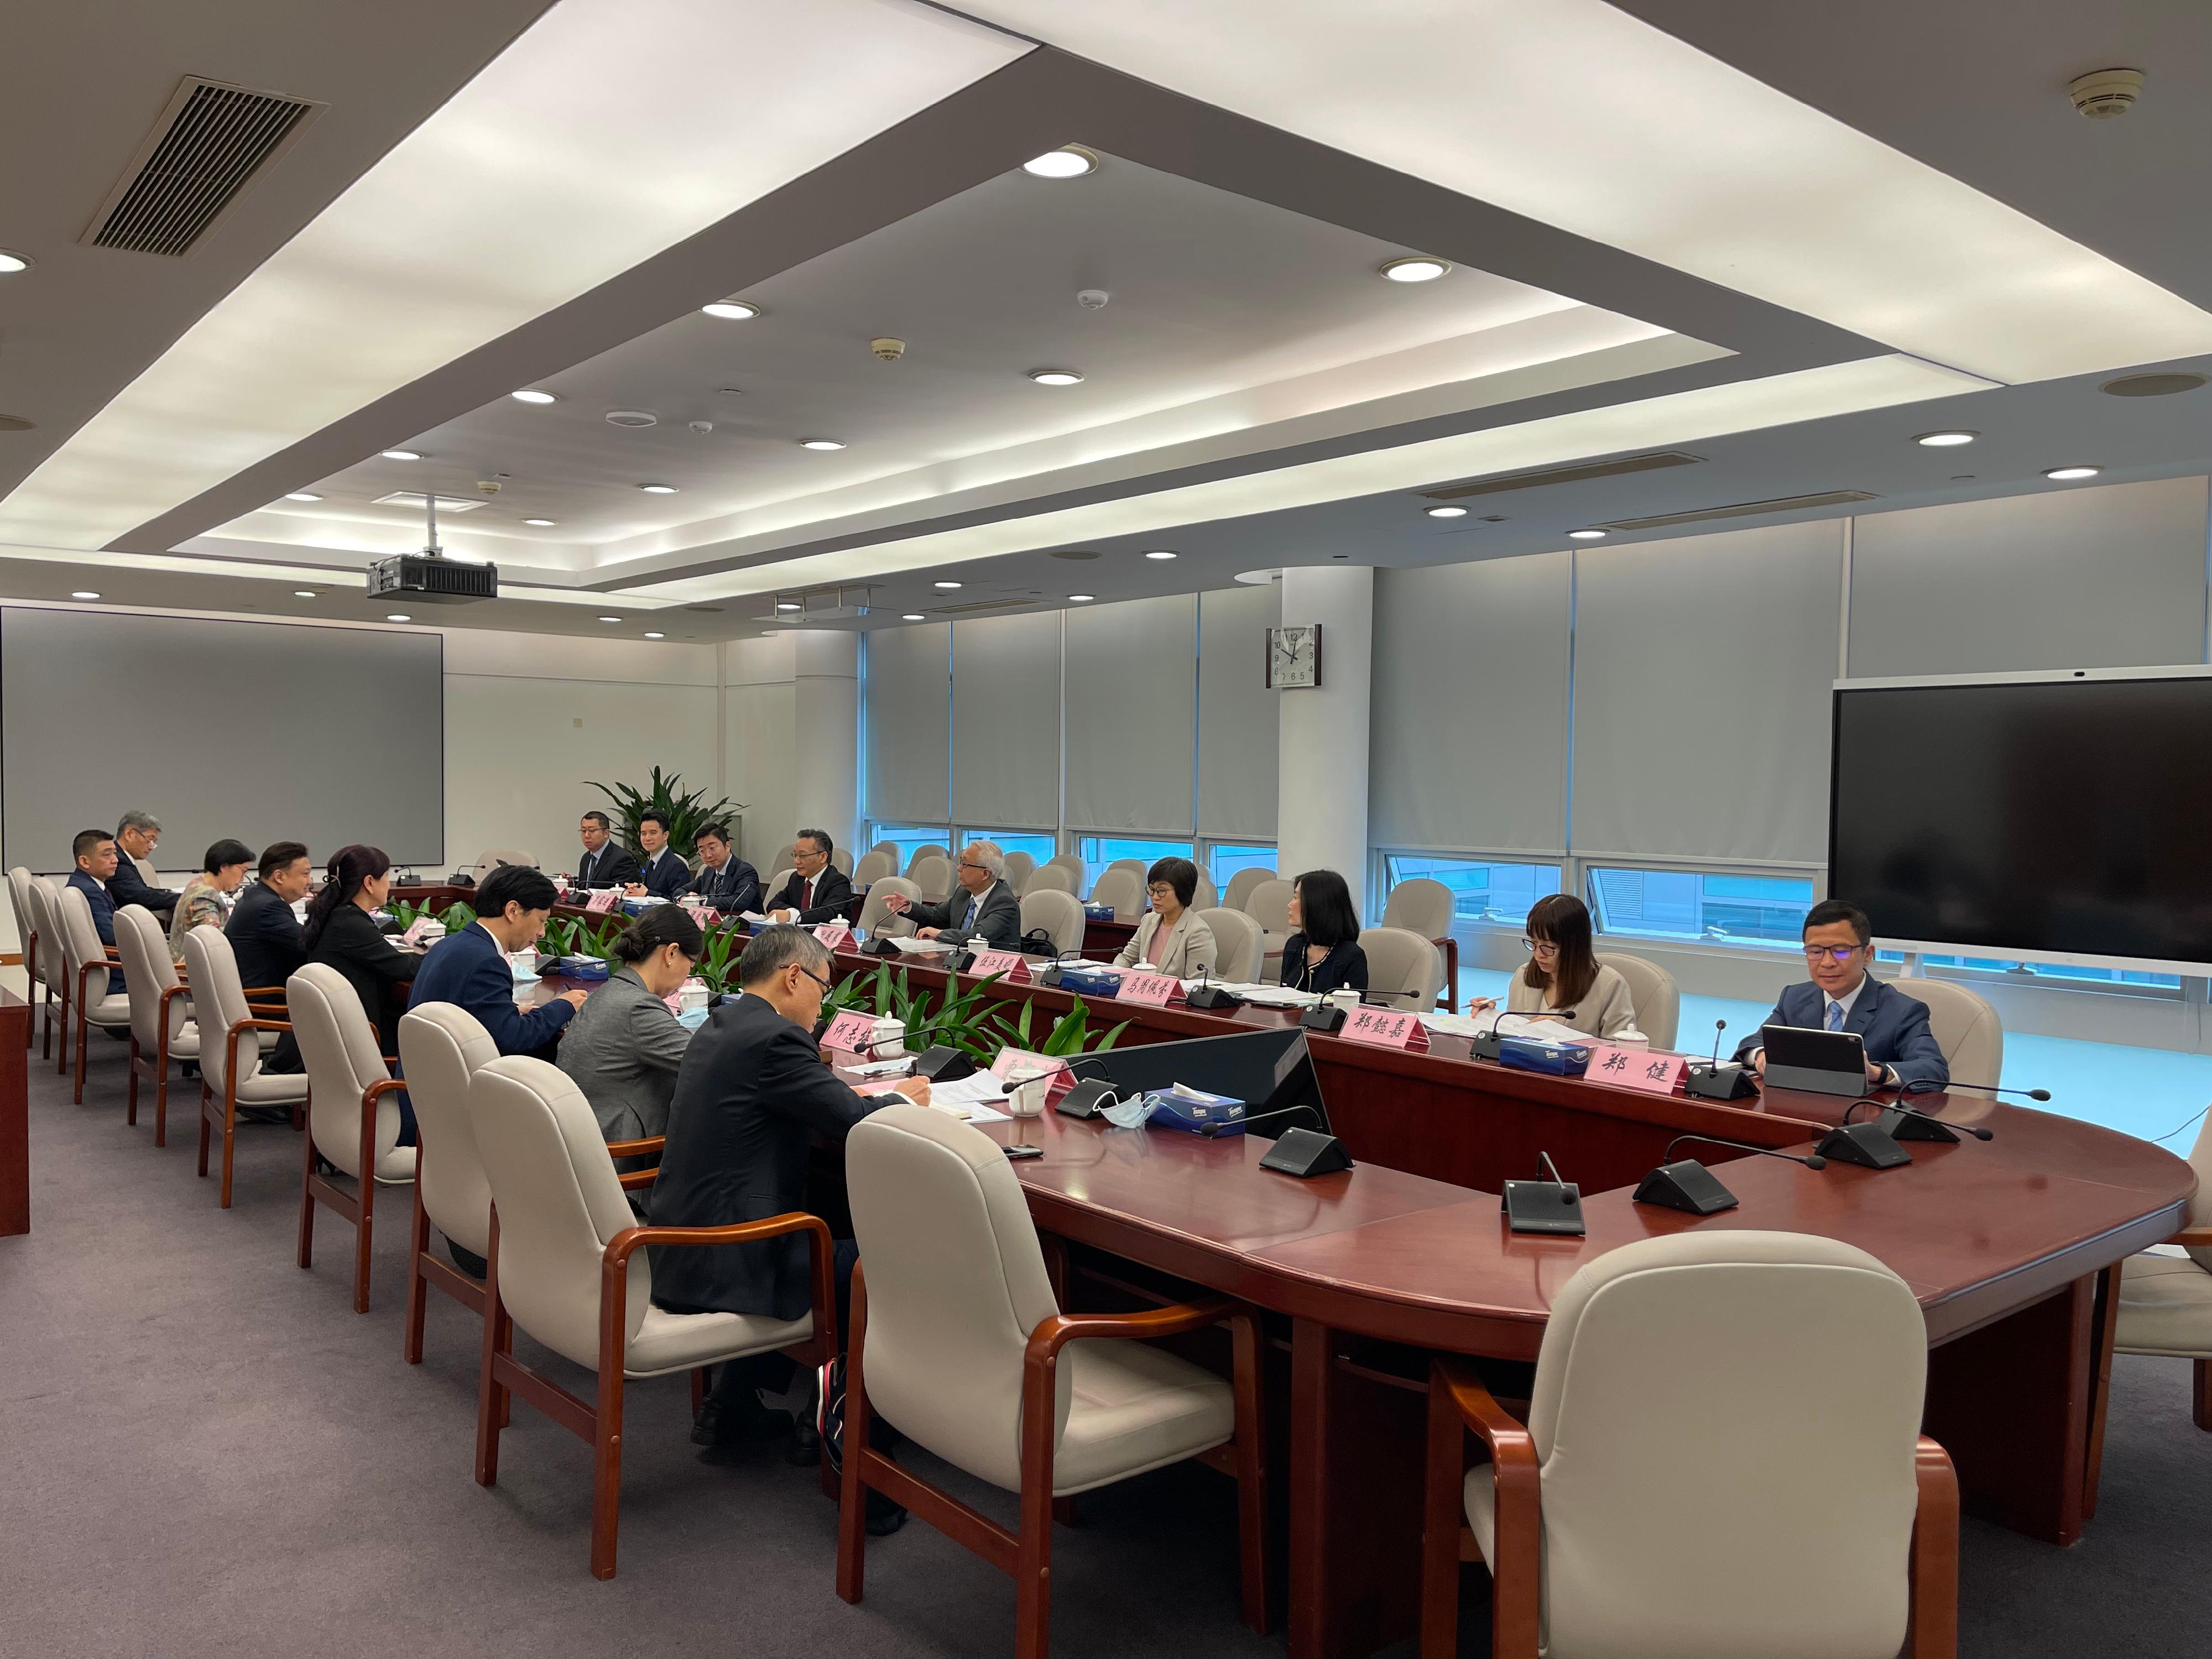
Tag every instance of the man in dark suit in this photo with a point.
(725, 880)
(1843, 996)
(136, 838)
(264, 935)
(469, 968)
(750, 1095)
(817, 890)
(95, 853)
(984, 908)
(662, 873)
(605, 863)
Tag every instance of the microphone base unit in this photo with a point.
(1087, 1099)
(1720, 1082)
(943, 1063)
(1543, 1207)
(1687, 1185)
(1324, 1017)
(1305, 1153)
(1213, 996)
(1866, 1144)
(1909, 1125)
(1485, 1046)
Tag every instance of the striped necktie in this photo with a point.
(1835, 1015)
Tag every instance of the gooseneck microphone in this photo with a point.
(1812, 1161)
(1924, 1086)
(1902, 1122)
(1719, 1025)
(1689, 1186)
(1212, 1130)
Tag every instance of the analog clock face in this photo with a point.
(1295, 657)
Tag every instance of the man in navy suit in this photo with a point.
(95, 853)
(136, 838)
(469, 968)
(1843, 996)
(662, 873)
(725, 880)
(606, 862)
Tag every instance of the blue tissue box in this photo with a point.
(1201, 1115)
(1089, 981)
(1551, 1059)
(1098, 912)
(580, 967)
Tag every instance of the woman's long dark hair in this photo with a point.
(1327, 915)
(664, 924)
(349, 867)
(1561, 919)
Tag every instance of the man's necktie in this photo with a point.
(1835, 1016)
(806, 895)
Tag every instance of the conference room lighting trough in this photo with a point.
(731, 311)
(657, 489)
(533, 395)
(1446, 512)
(821, 443)
(1056, 376)
(1068, 162)
(1416, 268)
(12, 263)
(541, 524)
(1946, 440)
(1585, 534)
(2068, 474)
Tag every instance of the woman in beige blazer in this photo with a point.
(1170, 939)
(1564, 975)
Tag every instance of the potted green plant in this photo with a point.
(687, 810)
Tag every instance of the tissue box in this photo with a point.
(581, 968)
(1090, 981)
(1195, 1112)
(1098, 912)
(1551, 1059)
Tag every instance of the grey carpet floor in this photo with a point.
(206, 1451)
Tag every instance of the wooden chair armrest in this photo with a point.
(114, 956)
(1935, 1569)
(2199, 1237)
(637, 1178)
(1054, 1334)
(1505, 1434)
(636, 1148)
(614, 1263)
(171, 992)
(1458, 1401)
(377, 1090)
(263, 991)
(260, 1025)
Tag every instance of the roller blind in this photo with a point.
(1132, 714)
(1005, 721)
(909, 723)
(1468, 745)
(2103, 578)
(1702, 676)
(1236, 747)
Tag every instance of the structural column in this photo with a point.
(826, 731)
(1322, 733)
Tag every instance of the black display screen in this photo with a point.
(2072, 817)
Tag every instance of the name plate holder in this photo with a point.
(1386, 1028)
(850, 1032)
(1011, 966)
(835, 934)
(1155, 990)
(603, 901)
(1634, 1068)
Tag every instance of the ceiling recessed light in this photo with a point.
(1081, 598)
(820, 443)
(657, 489)
(2151, 385)
(731, 311)
(1945, 440)
(301, 496)
(2066, 474)
(401, 454)
(914, 616)
(542, 524)
(944, 588)
(1163, 553)
(613, 619)
(530, 394)
(12, 263)
(656, 636)
(1068, 162)
(1585, 534)
(305, 593)
(1446, 512)
(1419, 268)
(84, 593)
(1056, 376)
(399, 616)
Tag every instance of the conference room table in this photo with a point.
(2011, 1247)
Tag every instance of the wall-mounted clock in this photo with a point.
(1294, 657)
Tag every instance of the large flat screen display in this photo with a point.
(2055, 817)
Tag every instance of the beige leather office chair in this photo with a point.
(20, 883)
(1652, 990)
(1423, 906)
(492, 857)
(840, 859)
(1205, 896)
(890, 849)
(1135, 866)
(89, 962)
(1078, 871)
(1964, 1026)
(933, 875)
(774, 885)
(872, 868)
(567, 1268)
(1049, 878)
(440, 1048)
(1057, 913)
(1404, 970)
(230, 1070)
(1712, 1412)
(1018, 865)
(2166, 1294)
(927, 850)
(53, 965)
(161, 1026)
(353, 1112)
(1241, 884)
(958, 1340)
(786, 855)
(1268, 903)
(144, 867)
(1235, 941)
(875, 918)
(1122, 888)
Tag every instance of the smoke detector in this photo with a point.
(1092, 298)
(2102, 94)
(703, 428)
(889, 349)
(632, 418)
(488, 486)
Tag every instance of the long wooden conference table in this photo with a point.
(2012, 1245)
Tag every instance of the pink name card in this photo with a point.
(851, 1032)
(1634, 1068)
(1386, 1028)
(835, 934)
(1008, 965)
(708, 916)
(1157, 989)
(602, 902)
(414, 933)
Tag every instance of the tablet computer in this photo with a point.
(1806, 1057)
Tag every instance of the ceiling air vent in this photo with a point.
(207, 145)
(1559, 474)
(972, 607)
(1743, 510)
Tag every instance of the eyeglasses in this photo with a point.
(1832, 952)
(1539, 946)
(985, 868)
(816, 977)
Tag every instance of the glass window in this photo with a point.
(1764, 911)
(1040, 844)
(2044, 970)
(1098, 852)
(1225, 859)
(1484, 892)
(908, 836)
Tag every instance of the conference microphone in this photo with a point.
(1923, 1086)
(1713, 1084)
(1688, 1185)
(1902, 1122)
(1206, 995)
(1212, 1130)
(1484, 1045)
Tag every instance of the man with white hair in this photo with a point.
(984, 908)
(136, 838)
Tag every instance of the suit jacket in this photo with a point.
(128, 886)
(1604, 1012)
(996, 916)
(1344, 967)
(266, 937)
(750, 1095)
(103, 918)
(613, 865)
(468, 970)
(833, 891)
(733, 889)
(353, 943)
(623, 1049)
(1892, 1025)
(669, 877)
(1191, 945)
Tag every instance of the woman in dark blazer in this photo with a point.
(1323, 955)
(342, 931)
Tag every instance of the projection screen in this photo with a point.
(263, 731)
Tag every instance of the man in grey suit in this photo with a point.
(624, 1045)
(984, 908)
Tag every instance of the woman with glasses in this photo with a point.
(1170, 936)
(1323, 955)
(1564, 979)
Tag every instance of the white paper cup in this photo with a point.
(1027, 1099)
(1344, 997)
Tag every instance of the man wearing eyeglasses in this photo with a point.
(985, 907)
(1842, 996)
(817, 890)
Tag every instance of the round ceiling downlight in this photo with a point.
(1056, 376)
(731, 311)
(1446, 512)
(1948, 439)
(530, 394)
(1068, 162)
(1418, 268)
(821, 443)
(2068, 474)
(401, 454)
